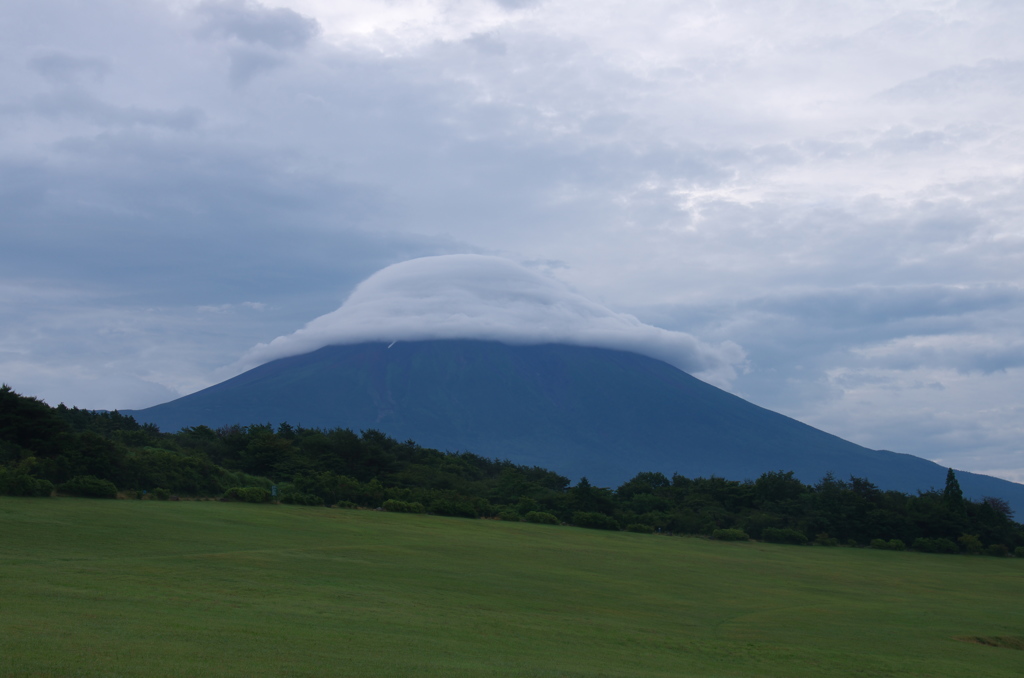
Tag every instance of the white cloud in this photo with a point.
(472, 296)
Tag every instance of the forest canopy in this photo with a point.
(46, 450)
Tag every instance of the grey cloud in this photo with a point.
(903, 140)
(990, 76)
(866, 305)
(82, 105)
(198, 215)
(902, 327)
(246, 64)
(517, 4)
(487, 43)
(66, 69)
(963, 353)
(253, 23)
(83, 345)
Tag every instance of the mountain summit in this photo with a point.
(471, 296)
(577, 410)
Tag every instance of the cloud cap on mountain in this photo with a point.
(469, 296)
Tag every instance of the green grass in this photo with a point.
(108, 588)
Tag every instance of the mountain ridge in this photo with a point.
(579, 411)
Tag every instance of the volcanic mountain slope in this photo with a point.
(579, 411)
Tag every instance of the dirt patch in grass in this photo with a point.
(1011, 642)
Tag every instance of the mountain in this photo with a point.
(579, 411)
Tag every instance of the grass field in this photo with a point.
(109, 588)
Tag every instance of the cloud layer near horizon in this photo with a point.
(471, 296)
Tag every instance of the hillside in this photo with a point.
(578, 411)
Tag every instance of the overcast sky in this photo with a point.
(832, 191)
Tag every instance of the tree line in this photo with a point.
(47, 449)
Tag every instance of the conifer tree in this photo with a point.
(953, 496)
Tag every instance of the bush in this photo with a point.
(822, 539)
(22, 484)
(970, 543)
(940, 545)
(252, 495)
(541, 518)
(891, 545)
(346, 505)
(43, 488)
(510, 516)
(997, 550)
(302, 499)
(525, 505)
(594, 521)
(640, 527)
(162, 494)
(396, 506)
(89, 486)
(785, 535)
(453, 507)
(1019, 551)
(730, 535)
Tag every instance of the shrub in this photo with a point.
(162, 494)
(594, 520)
(730, 535)
(822, 539)
(396, 506)
(482, 507)
(22, 484)
(527, 504)
(940, 545)
(453, 507)
(43, 488)
(89, 486)
(346, 505)
(541, 518)
(252, 495)
(784, 535)
(970, 543)
(640, 527)
(997, 550)
(1019, 551)
(510, 516)
(302, 499)
(891, 545)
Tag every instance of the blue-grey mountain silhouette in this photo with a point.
(592, 412)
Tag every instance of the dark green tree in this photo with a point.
(953, 496)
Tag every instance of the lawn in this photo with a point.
(111, 588)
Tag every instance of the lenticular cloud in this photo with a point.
(468, 296)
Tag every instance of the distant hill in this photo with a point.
(578, 411)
